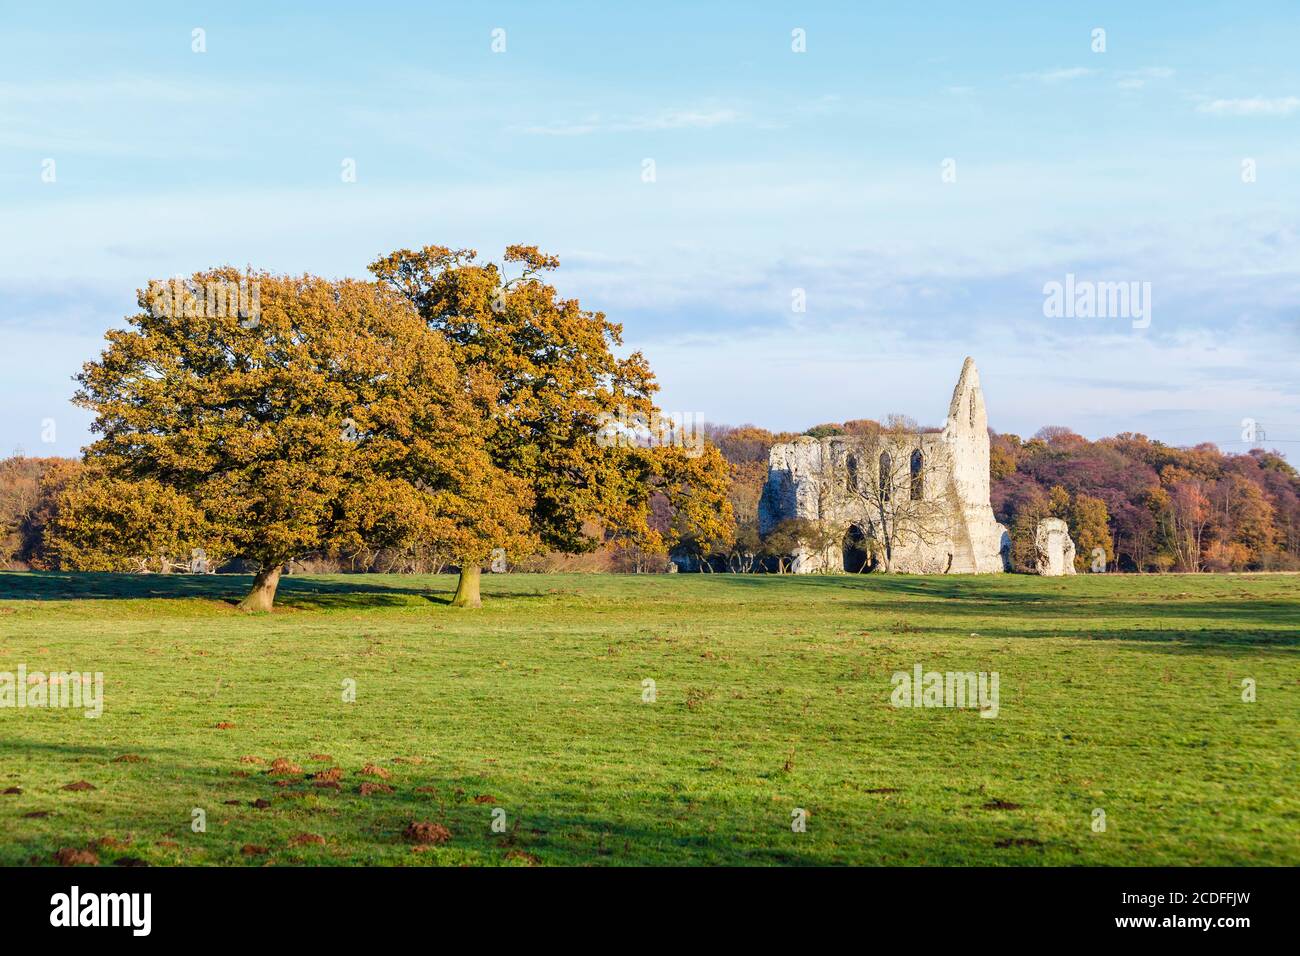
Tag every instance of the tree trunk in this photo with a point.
(467, 594)
(262, 595)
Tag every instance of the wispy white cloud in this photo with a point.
(672, 119)
(1124, 79)
(1061, 75)
(143, 89)
(1136, 79)
(1253, 106)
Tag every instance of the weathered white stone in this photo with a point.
(814, 479)
(1054, 551)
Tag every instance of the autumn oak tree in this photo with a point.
(100, 523)
(546, 382)
(333, 419)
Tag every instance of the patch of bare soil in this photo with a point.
(130, 758)
(333, 773)
(485, 798)
(225, 725)
(71, 856)
(78, 785)
(523, 857)
(366, 789)
(249, 758)
(426, 833)
(1000, 805)
(1016, 841)
(374, 770)
(14, 790)
(252, 849)
(307, 839)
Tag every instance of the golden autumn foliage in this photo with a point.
(333, 419)
(1090, 530)
(444, 407)
(546, 382)
(109, 524)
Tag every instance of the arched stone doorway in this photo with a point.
(856, 554)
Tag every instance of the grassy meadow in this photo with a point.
(1118, 693)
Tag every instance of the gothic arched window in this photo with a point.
(918, 476)
(886, 476)
(851, 481)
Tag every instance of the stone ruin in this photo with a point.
(1053, 548)
(915, 502)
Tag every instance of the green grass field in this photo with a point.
(773, 693)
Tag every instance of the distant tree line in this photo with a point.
(1141, 505)
(1150, 506)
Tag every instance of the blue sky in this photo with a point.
(774, 171)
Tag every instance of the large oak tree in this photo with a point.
(333, 419)
(547, 385)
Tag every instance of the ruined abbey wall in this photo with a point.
(931, 488)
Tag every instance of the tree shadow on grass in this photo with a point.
(1020, 591)
(542, 826)
(306, 592)
(256, 808)
(10, 746)
(1005, 613)
(1165, 640)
